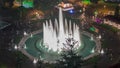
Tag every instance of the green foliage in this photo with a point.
(45, 4)
(117, 11)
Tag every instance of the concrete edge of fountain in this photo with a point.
(22, 43)
(98, 45)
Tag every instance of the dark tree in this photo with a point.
(45, 4)
(94, 1)
(117, 11)
(39, 64)
(70, 59)
(4, 2)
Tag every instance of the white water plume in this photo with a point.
(55, 33)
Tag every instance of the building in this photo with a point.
(65, 6)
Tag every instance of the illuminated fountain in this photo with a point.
(55, 35)
(48, 43)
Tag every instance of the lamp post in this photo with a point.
(15, 47)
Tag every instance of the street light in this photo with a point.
(35, 61)
(92, 51)
(91, 37)
(104, 6)
(25, 33)
(15, 47)
(25, 46)
(80, 10)
(99, 36)
(102, 51)
(31, 35)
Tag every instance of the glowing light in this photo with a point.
(95, 12)
(28, 3)
(92, 51)
(25, 46)
(104, 6)
(15, 47)
(80, 10)
(92, 37)
(35, 61)
(99, 36)
(71, 11)
(25, 33)
(102, 51)
(31, 35)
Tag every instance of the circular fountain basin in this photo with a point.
(33, 47)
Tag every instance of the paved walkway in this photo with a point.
(22, 43)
